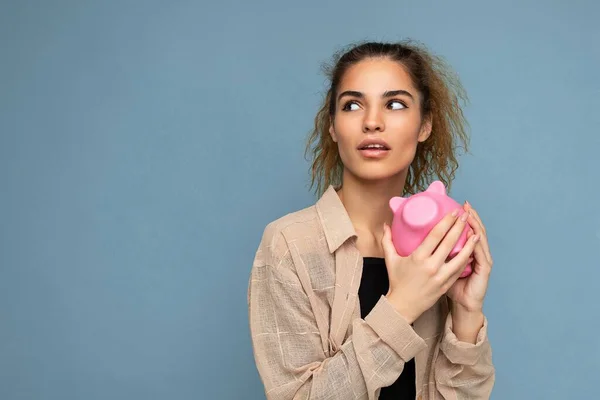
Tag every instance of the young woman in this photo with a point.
(335, 312)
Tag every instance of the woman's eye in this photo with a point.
(396, 105)
(350, 106)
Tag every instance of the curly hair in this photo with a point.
(441, 94)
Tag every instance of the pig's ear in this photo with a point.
(437, 187)
(396, 202)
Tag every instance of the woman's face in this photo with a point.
(377, 102)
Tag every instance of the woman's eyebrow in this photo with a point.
(352, 93)
(389, 93)
(392, 93)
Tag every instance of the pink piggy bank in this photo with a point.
(415, 217)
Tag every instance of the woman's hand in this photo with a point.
(468, 293)
(420, 279)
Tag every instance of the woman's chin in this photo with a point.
(378, 175)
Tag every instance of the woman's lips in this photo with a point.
(373, 153)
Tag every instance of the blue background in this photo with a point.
(145, 145)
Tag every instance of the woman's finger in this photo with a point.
(482, 264)
(437, 234)
(477, 217)
(451, 270)
(479, 229)
(482, 231)
(387, 244)
(447, 244)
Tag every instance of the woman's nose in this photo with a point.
(373, 122)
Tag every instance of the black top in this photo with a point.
(375, 283)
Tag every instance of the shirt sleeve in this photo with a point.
(288, 347)
(464, 370)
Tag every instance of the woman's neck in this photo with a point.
(367, 202)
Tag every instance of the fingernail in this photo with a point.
(464, 217)
(475, 238)
(467, 203)
(455, 213)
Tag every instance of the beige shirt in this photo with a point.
(309, 340)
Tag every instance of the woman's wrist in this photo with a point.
(401, 308)
(466, 323)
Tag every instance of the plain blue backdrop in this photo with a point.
(145, 145)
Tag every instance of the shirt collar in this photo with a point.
(335, 219)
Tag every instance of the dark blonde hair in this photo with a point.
(441, 92)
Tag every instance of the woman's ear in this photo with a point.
(425, 131)
(332, 132)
